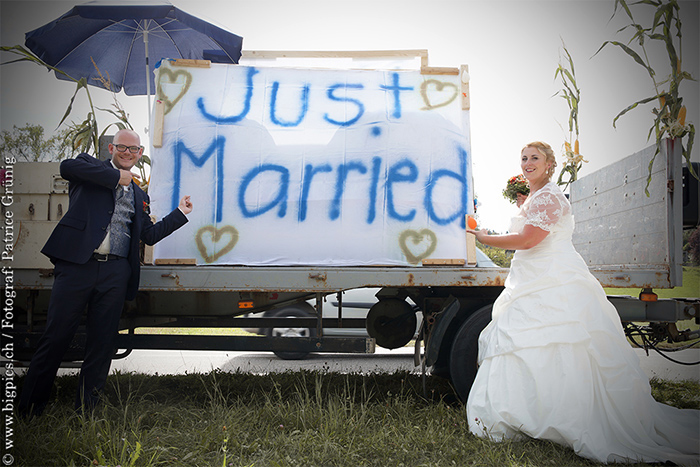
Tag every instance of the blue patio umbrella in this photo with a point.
(125, 40)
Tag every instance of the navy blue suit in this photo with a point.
(81, 281)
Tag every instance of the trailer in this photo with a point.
(630, 240)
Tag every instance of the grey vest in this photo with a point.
(120, 225)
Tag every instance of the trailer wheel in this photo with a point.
(392, 323)
(465, 351)
(292, 312)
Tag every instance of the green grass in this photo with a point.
(689, 289)
(291, 419)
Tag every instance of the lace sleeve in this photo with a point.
(545, 209)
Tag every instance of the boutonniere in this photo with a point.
(146, 207)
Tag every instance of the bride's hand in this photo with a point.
(479, 234)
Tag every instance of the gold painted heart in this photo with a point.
(423, 242)
(440, 92)
(213, 236)
(171, 86)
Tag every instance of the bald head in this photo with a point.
(125, 149)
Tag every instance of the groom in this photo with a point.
(95, 252)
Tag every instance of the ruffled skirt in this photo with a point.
(555, 365)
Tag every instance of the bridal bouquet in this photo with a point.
(515, 185)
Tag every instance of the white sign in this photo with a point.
(312, 167)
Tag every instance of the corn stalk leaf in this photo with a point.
(624, 6)
(631, 53)
(28, 56)
(80, 84)
(120, 115)
(664, 11)
(632, 106)
(688, 150)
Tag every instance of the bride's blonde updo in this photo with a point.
(547, 151)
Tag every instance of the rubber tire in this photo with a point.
(291, 312)
(465, 352)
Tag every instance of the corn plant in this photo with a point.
(84, 136)
(570, 92)
(669, 116)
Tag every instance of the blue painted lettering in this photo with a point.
(273, 106)
(343, 170)
(376, 165)
(281, 198)
(462, 179)
(216, 145)
(396, 88)
(396, 176)
(246, 104)
(309, 172)
(333, 97)
(378, 175)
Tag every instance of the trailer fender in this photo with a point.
(443, 320)
(465, 351)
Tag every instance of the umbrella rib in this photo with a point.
(159, 28)
(139, 27)
(85, 40)
(222, 49)
(128, 55)
(167, 35)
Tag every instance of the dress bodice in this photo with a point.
(548, 209)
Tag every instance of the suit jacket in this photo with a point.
(92, 191)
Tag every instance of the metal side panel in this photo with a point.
(36, 192)
(29, 239)
(38, 178)
(288, 279)
(314, 279)
(627, 238)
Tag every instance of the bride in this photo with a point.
(554, 361)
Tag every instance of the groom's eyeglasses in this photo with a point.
(123, 148)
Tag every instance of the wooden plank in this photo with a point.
(274, 54)
(424, 60)
(353, 54)
(176, 261)
(444, 262)
(158, 124)
(471, 247)
(192, 63)
(464, 78)
(148, 249)
(439, 71)
(147, 254)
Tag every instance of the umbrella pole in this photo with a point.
(148, 79)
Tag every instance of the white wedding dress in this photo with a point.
(555, 364)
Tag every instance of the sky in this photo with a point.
(512, 48)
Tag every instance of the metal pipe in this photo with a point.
(148, 72)
(339, 296)
(319, 314)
